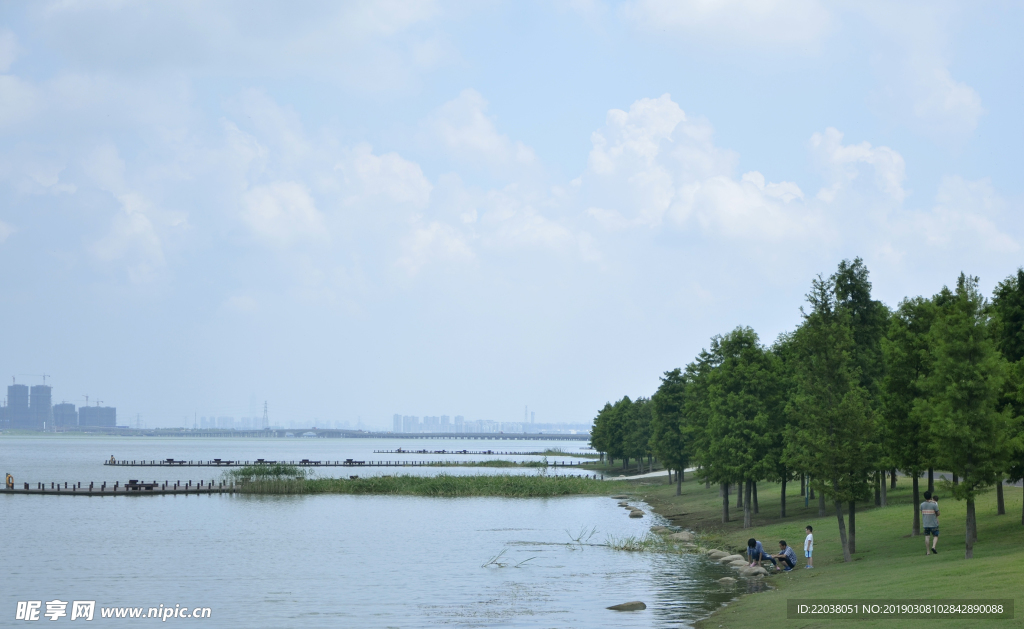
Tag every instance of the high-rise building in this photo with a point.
(41, 406)
(64, 414)
(397, 423)
(460, 423)
(97, 416)
(410, 423)
(446, 423)
(17, 407)
(226, 422)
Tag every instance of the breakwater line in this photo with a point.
(345, 463)
(131, 488)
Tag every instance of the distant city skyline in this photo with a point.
(31, 407)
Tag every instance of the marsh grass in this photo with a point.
(634, 543)
(275, 472)
(580, 538)
(441, 486)
(561, 452)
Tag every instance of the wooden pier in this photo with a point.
(496, 452)
(131, 488)
(307, 463)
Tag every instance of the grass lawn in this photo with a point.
(888, 564)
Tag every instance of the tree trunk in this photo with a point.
(917, 511)
(1000, 504)
(878, 488)
(842, 531)
(679, 483)
(725, 502)
(625, 462)
(885, 497)
(931, 480)
(821, 505)
(756, 510)
(669, 476)
(892, 478)
(739, 495)
(803, 484)
(853, 527)
(783, 501)
(971, 529)
(747, 504)
(682, 475)
(956, 479)
(810, 489)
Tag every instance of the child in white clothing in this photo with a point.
(809, 546)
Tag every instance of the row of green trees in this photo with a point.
(854, 393)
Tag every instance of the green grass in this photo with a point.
(446, 486)
(888, 564)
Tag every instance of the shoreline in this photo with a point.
(889, 563)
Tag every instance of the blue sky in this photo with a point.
(357, 209)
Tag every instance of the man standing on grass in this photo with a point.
(786, 556)
(930, 521)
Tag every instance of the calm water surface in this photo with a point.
(329, 561)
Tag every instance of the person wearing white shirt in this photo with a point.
(809, 546)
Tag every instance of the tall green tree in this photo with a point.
(743, 395)
(1007, 311)
(600, 433)
(638, 431)
(671, 438)
(696, 413)
(907, 356)
(969, 432)
(833, 432)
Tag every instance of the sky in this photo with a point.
(350, 210)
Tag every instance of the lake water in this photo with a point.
(329, 561)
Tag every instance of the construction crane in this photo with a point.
(86, 399)
(44, 376)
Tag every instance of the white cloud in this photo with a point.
(913, 62)
(18, 100)
(389, 178)
(283, 214)
(653, 163)
(369, 45)
(736, 22)
(132, 236)
(966, 215)
(945, 106)
(5, 231)
(462, 125)
(434, 242)
(844, 165)
(8, 49)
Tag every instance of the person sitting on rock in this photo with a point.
(755, 552)
(786, 556)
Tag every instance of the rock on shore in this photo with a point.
(632, 606)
